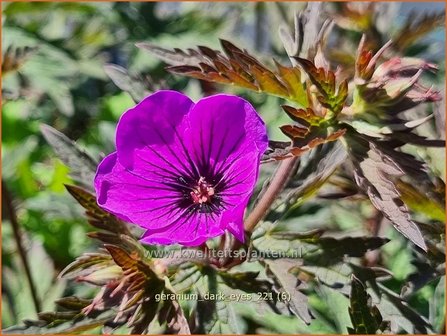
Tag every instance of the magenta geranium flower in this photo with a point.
(183, 171)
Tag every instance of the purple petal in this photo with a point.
(154, 129)
(126, 195)
(188, 231)
(234, 220)
(223, 127)
(165, 145)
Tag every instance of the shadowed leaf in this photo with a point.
(288, 283)
(172, 313)
(137, 87)
(73, 303)
(97, 216)
(214, 315)
(365, 318)
(82, 166)
(79, 325)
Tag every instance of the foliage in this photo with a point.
(353, 240)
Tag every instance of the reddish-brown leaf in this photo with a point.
(330, 96)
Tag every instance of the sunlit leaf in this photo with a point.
(310, 132)
(420, 202)
(235, 66)
(331, 94)
(375, 173)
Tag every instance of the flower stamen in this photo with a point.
(202, 193)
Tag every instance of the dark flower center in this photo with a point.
(202, 193)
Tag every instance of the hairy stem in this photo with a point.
(280, 178)
(7, 199)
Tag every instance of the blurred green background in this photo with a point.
(58, 52)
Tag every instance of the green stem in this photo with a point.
(17, 237)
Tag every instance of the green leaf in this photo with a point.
(82, 166)
(137, 87)
(335, 307)
(331, 96)
(73, 303)
(401, 315)
(245, 281)
(214, 315)
(437, 306)
(322, 165)
(365, 317)
(81, 267)
(82, 324)
(292, 79)
(421, 202)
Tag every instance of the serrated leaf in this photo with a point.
(331, 95)
(323, 166)
(82, 166)
(80, 325)
(245, 281)
(236, 67)
(172, 313)
(306, 33)
(77, 267)
(312, 132)
(73, 303)
(401, 315)
(132, 262)
(174, 57)
(310, 237)
(97, 216)
(375, 172)
(333, 248)
(135, 86)
(288, 283)
(292, 79)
